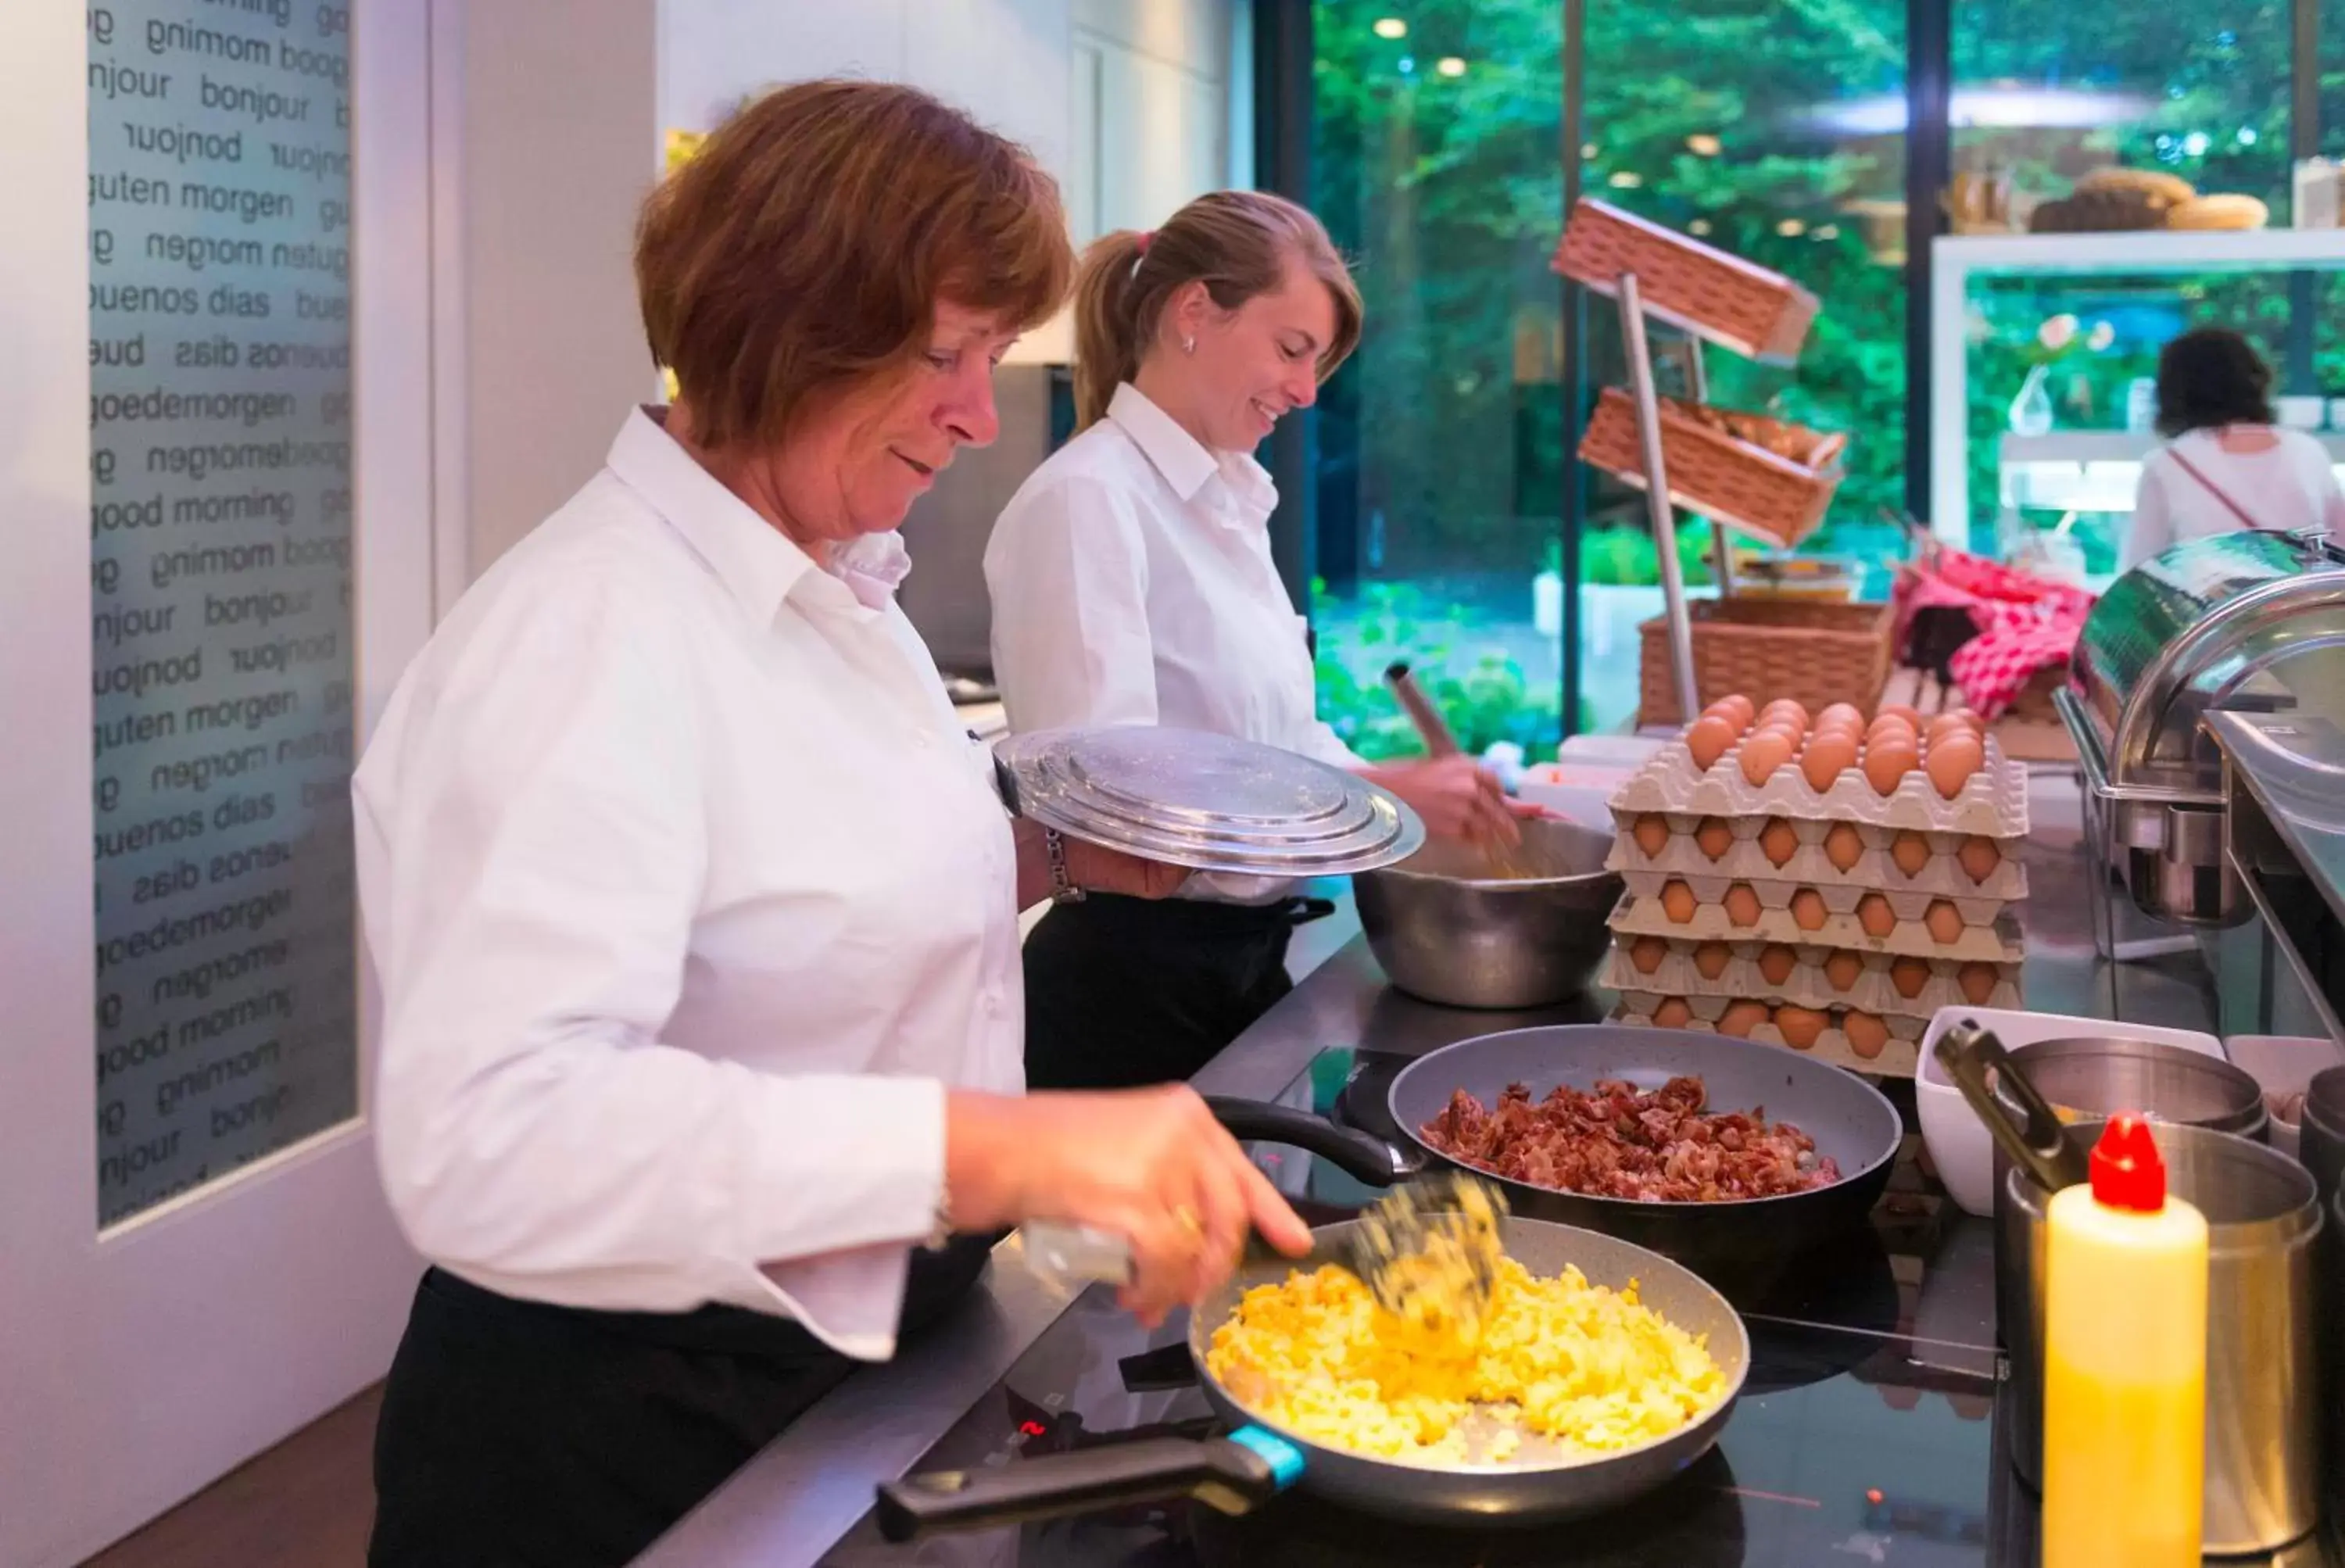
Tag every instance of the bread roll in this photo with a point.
(2224, 212)
(2163, 189)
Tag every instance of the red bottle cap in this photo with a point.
(2127, 1170)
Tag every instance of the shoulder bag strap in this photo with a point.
(2217, 491)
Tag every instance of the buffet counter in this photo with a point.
(807, 1490)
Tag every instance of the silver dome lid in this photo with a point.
(1206, 802)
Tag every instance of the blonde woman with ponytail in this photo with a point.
(1132, 583)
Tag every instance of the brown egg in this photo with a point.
(1829, 755)
(1843, 970)
(1898, 710)
(1843, 846)
(1952, 761)
(1887, 761)
(1978, 980)
(1673, 1014)
(1713, 837)
(1840, 716)
(1677, 901)
(1726, 711)
(1765, 752)
(1888, 724)
(1799, 1026)
(1783, 706)
(1648, 952)
(1710, 959)
(1743, 709)
(1910, 977)
(1741, 1018)
(1970, 717)
(1776, 961)
(1808, 910)
(1911, 853)
(1742, 906)
(1946, 723)
(1944, 921)
(1651, 833)
(1866, 1035)
(1874, 914)
(1708, 740)
(1978, 858)
(1778, 841)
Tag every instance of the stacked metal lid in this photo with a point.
(1206, 802)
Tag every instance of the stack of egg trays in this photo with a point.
(1980, 964)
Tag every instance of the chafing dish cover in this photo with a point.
(2197, 627)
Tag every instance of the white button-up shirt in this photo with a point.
(1133, 582)
(688, 898)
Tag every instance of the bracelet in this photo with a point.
(1062, 890)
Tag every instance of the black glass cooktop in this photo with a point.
(1866, 1432)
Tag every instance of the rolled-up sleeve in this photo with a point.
(532, 855)
(1068, 572)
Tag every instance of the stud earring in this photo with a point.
(1188, 345)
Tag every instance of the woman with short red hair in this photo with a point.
(694, 910)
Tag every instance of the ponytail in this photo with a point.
(1107, 329)
(1235, 242)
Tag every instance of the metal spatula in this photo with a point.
(1427, 1250)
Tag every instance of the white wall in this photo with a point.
(554, 142)
(1127, 103)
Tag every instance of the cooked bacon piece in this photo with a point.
(1614, 1140)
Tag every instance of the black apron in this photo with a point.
(1123, 992)
(517, 1434)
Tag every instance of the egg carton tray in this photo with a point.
(1899, 1058)
(1874, 989)
(1992, 804)
(1909, 908)
(1996, 942)
(1746, 861)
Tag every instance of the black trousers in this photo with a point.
(515, 1434)
(1123, 992)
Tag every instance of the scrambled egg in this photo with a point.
(1435, 1267)
(1580, 1363)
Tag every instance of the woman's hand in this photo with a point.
(1150, 1164)
(1089, 867)
(1457, 798)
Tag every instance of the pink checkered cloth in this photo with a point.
(2024, 623)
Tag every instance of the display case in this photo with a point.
(1991, 481)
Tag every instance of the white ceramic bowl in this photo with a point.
(1959, 1144)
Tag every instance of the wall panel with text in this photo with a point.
(219, 344)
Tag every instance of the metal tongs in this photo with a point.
(1427, 1250)
(2023, 1123)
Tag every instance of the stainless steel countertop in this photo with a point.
(791, 1502)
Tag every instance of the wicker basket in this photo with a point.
(1759, 314)
(1722, 476)
(1816, 653)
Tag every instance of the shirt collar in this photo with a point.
(757, 562)
(1183, 462)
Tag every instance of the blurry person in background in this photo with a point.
(2226, 465)
(1132, 583)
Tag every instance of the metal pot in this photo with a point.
(2263, 1400)
(1448, 928)
(2101, 1075)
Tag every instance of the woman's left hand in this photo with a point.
(1090, 867)
(1098, 870)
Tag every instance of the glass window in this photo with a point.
(1436, 165)
(1777, 132)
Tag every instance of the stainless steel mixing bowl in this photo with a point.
(1449, 928)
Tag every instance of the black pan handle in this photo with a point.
(1222, 1472)
(1360, 1156)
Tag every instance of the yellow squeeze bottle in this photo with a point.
(2125, 1364)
